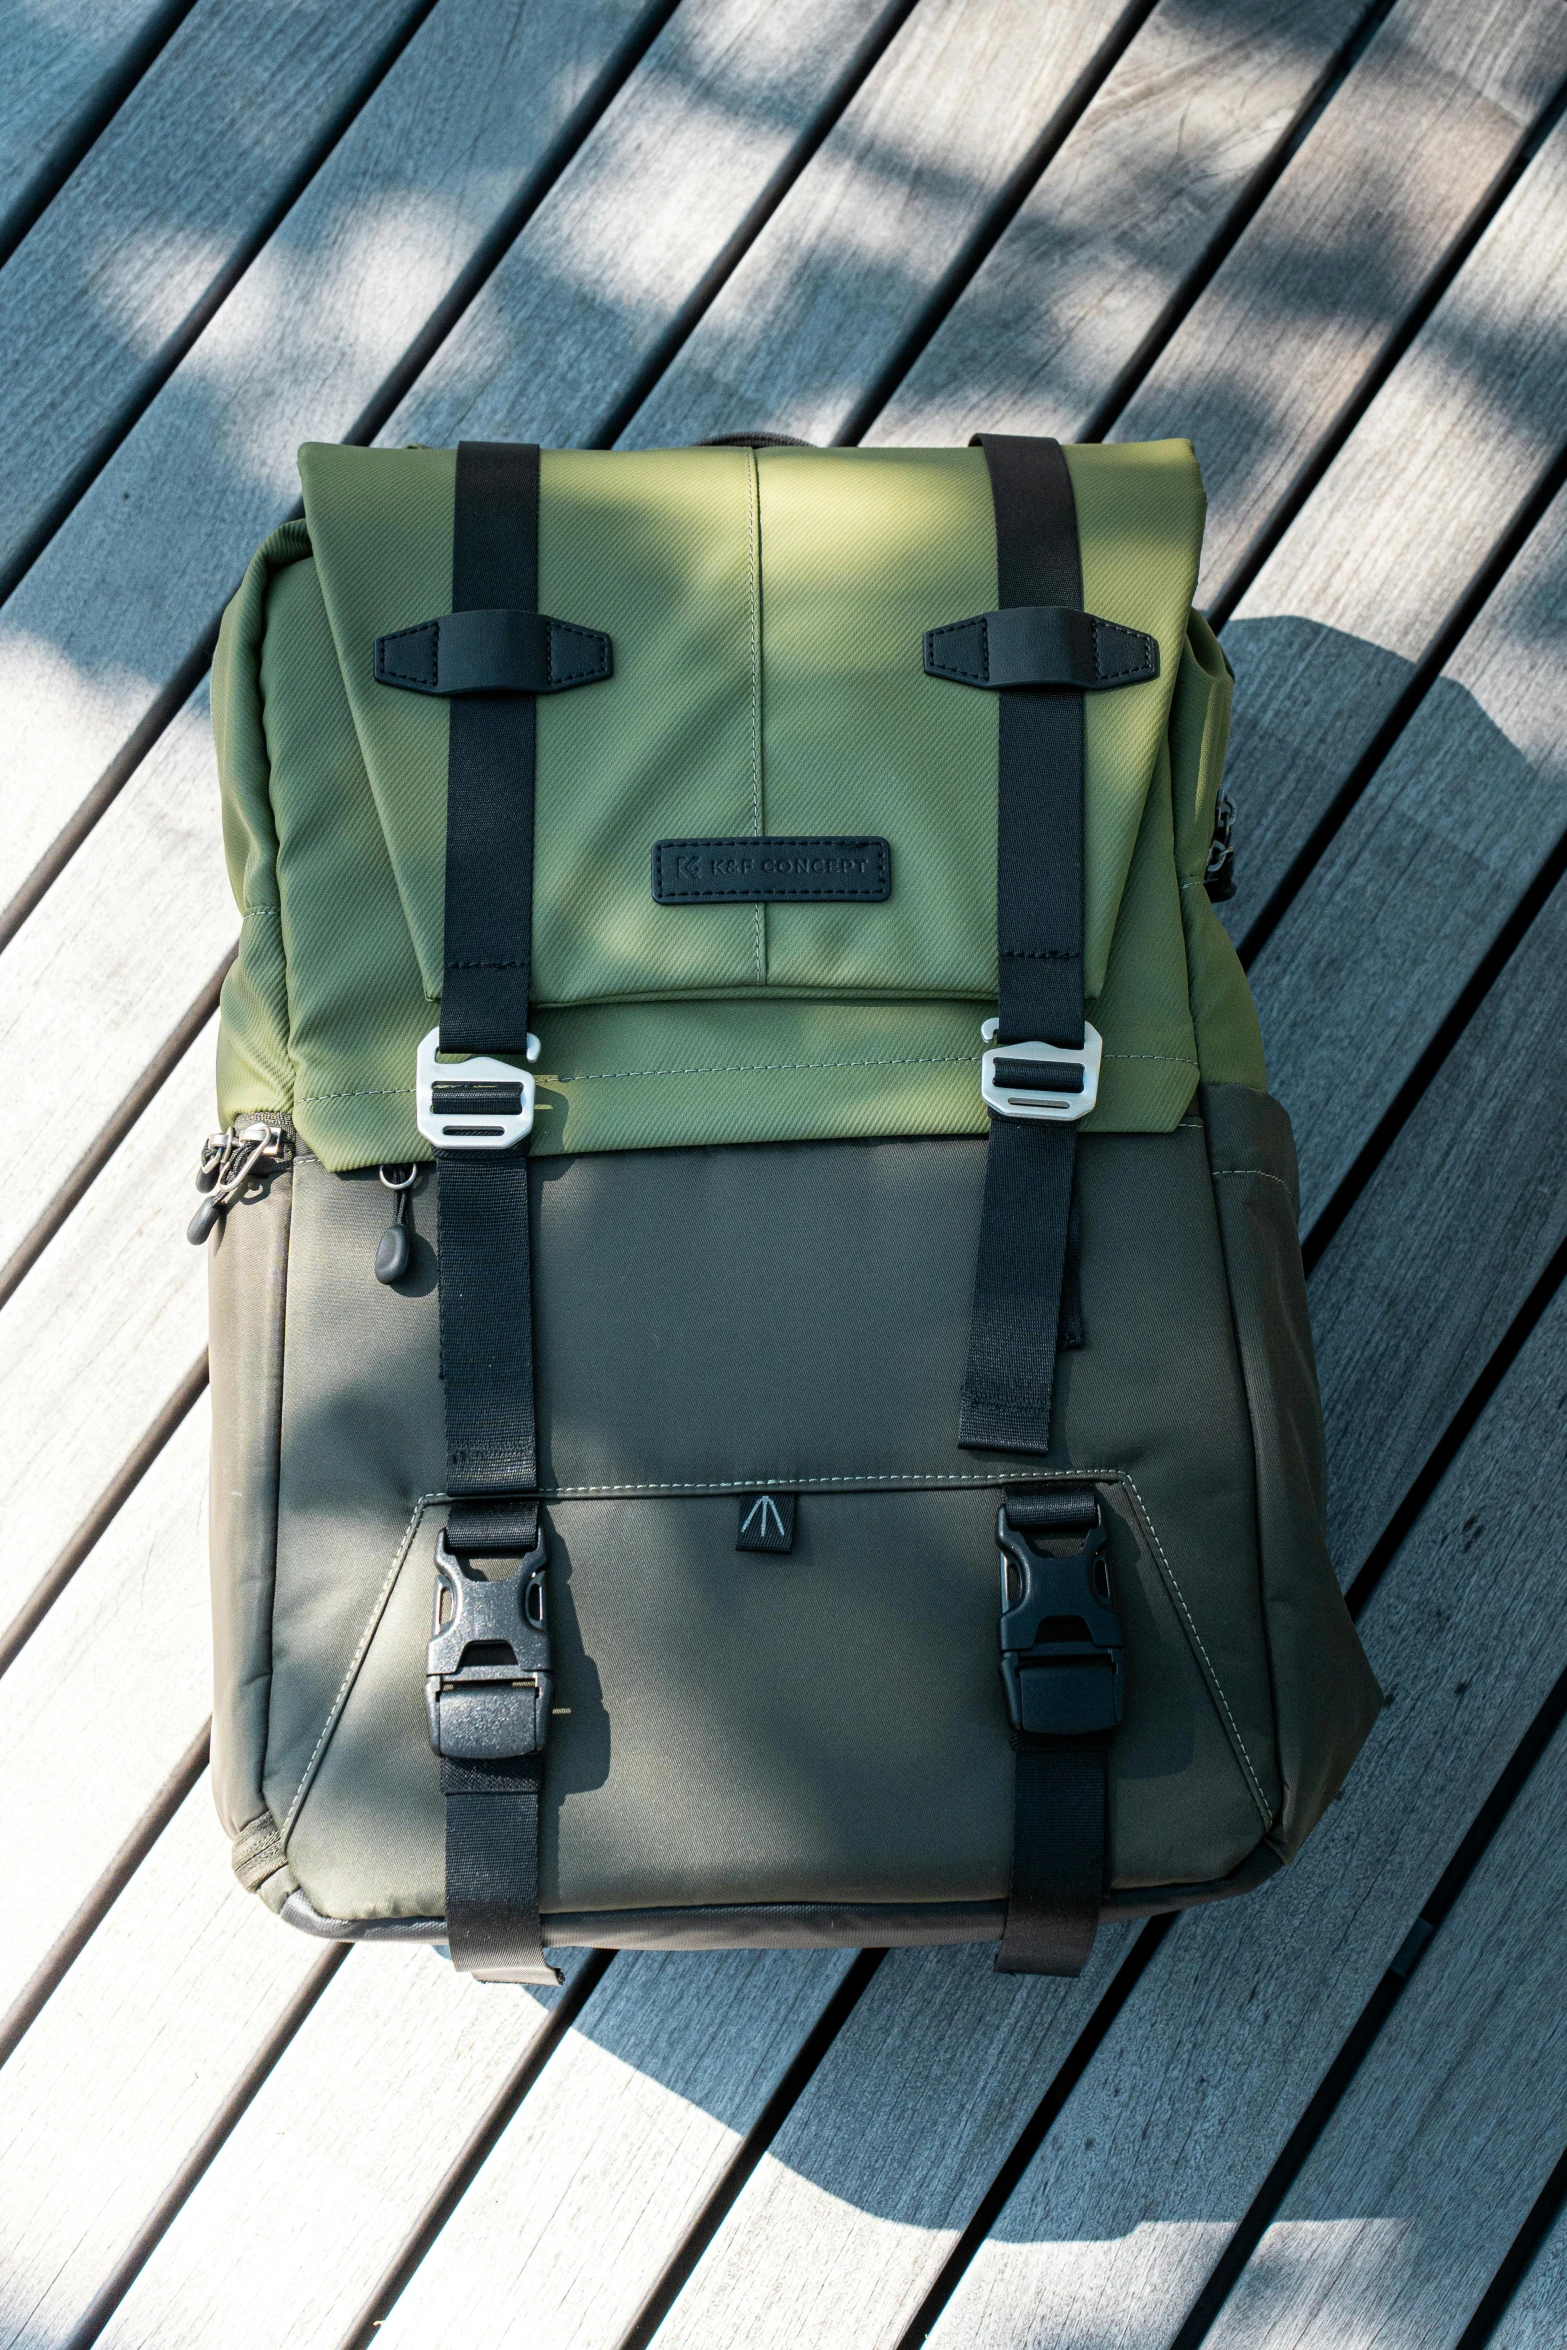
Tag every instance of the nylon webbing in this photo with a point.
(1013, 1328)
(1059, 1803)
(492, 1806)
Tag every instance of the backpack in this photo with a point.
(738, 1115)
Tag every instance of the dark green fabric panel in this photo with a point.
(247, 1267)
(1325, 1694)
(827, 1726)
(798, 1315)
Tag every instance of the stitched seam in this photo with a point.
(794, 1482)
(1217, 1685)
(1136, 662)
(1265, 1173)
(592, 648)
(358, 1658)
(426, 629)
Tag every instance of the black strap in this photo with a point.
(1059, 1800)
(492, 1802)
(1010, 1378)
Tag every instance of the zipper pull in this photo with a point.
(395, 1253)
(246, 1151)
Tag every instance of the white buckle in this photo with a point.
(471, 1130)
(1028, 1101)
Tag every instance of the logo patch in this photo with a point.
(764, 870)
(766, 1521)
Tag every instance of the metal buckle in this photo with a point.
(1060, 1635)
(1011, 1093)
(488, 1679)
(477, 1124)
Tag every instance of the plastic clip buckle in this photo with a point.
(476, 1104)
(1060, 1636)
(1016, 1080)
(488, 1678)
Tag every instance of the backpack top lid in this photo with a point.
(768, 609)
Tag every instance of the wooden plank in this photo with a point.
(843, 268)
(1102, 246)
(1390, 176)
(58, 63)
(1429, 2167)
(102, 1702)
(1326, 639)
(150, 223)
(594, 2185)
(1118, 2220)
(1452, 828)
(103, 2099)
(374, 2099)
(137, 574)
(1533, 2318)
(102, 1329)
(601, 274)
(1179, 2114)
(839, 2230)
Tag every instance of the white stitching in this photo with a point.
(1191, 1625)
(358, 1658)
(1265, 1174)
(791, 1483)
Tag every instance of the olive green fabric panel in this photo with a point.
(862, 551)
(357, 1008)
(659, 547)
(1140, 513)
(730, 1728)
(1149, 1072)
(1326, 1697)
(247, 1261)
(253, 1066)
(795, 1315)
(381, 526)
(1229, 1040)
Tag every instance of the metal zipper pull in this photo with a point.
(247, 1151)
(395, 1253)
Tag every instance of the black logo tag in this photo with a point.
(766, 1521)
(760, 870)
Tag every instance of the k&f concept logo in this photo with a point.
(766, 1521)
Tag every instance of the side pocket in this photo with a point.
(1325, 1697)
(246, 1285)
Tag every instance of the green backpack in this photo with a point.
(739, 1113)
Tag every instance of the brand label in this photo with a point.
(766, 1521)
(762, 870)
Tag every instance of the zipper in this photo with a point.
(249, 1149)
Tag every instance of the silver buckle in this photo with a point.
(455, 1128)
(1031, 1101)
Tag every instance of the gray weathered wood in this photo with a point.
(1433, 2160)
(1533, 2318)
(838, 2232)
(137, 574)
(1110, 233)
(369, 2106)
(102, 1702)
(57, 63)
(133, 244)
(841, 271)
(1282, 337)
(126, 2065)
(1120, 2217)
(1452, 828)
(594, 2185)
(1326, 639)
(104, 1326)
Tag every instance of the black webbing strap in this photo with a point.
(1010, 1377)
(1058, 1831)
(492, 1799)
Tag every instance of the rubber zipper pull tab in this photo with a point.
(396, 1250)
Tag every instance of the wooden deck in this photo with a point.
(1328, 240)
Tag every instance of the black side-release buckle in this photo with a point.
(1060, 1634)
(487, 1675)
